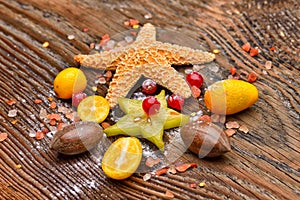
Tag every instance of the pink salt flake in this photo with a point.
(243, 128)
(232, 124)
(230, 132)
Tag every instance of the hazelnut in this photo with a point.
(77, 138)
(205, 139)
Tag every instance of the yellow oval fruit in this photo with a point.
(230, 96)
(94, 108)
(68, 81)
(122, 158)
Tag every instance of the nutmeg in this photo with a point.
(205, 139)
(77, 138)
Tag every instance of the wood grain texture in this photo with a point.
(264, 164)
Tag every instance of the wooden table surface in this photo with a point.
(263, 164)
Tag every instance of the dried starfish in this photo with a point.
(145, 57)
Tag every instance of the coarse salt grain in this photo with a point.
(71, 37)
(12, 113)
(128, 39)
(268, 64)
(147, 177)
(148, 16)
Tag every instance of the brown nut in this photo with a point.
(77, 138)
(205, 139)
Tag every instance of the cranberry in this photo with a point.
(77, 98)
(151, 105)
(176, 101)
(194, 79)
(149, 86)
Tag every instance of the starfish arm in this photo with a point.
(147, 34)
(122, 82)
(179, 55)
(168, 77)
(100, 60)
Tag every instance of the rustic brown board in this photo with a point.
(263, 164)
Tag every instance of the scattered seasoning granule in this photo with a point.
(161, 171)
(216, 51)
(50, 99)
(205, 118)
(108, 74)
(105, 38)
(11, 102)
(185, 166)
(133, 22)
(45, 130)
(102, 80)
(133, 33)
(14, 121)
(243, 128)
(147, 177)
(60, 126)
(193, 185)
(54, 116)
(232, 71)
(150, 162)
(18, 166)
(92, 45)
(85, 29)
(3, 136)
(135, 26)
(253, 52)
(272, 48)
(52, 122)
(252, 77)
(52, 105)
(195, 91)
(46, 44)
(39, 135)
(230, 132)
(94, 88)
(246, 47)
(268, 64)
(232, 124)
(202, 184)
(172, 170)
(37, 101)
(105, 125)
(169, 194)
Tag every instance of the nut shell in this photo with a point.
(77, 138)
(208, 140)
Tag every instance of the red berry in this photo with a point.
(194, 79)
(151, 105)
(77, 98)
(176, 101)
(149, 86)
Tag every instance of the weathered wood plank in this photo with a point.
(264, 163)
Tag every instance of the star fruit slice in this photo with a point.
(136, 122)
